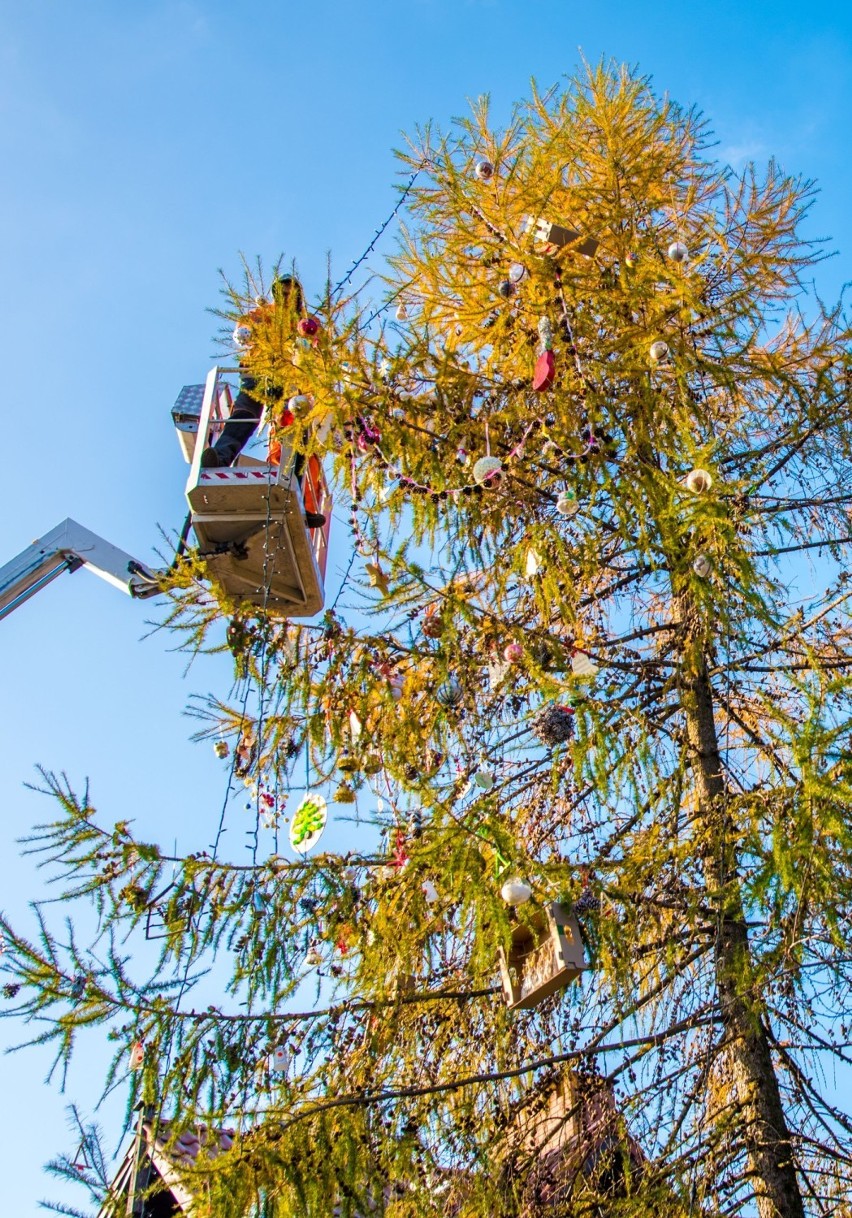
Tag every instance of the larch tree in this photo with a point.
(590, 646)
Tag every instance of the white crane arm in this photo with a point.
(67, 548)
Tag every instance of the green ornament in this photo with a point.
(308, 823)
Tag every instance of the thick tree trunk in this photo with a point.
(765, 1132)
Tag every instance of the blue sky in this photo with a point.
(144, 144)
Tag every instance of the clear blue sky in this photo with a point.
(143, 144)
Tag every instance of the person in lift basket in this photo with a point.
(287, 303)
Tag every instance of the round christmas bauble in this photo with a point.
(242, 335)
(517, 272)
(308, 326)
(702, 566)
(678, 252)
(484, 171)
(515, 891)
(506, 289)
(630, 260)
(484, 779)
(659, 351)
(698, 481)
(553, 724)
(566, 504)
(513, 653)
(433, 626)
(300, 402)
(450, 693)
(488, 471)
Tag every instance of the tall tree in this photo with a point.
(592, 646)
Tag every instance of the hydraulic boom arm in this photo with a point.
(67, 548)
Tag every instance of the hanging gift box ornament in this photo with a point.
(544, 372)
(137, 1055)
(659, 351)
(553, 724)
(221, 748)
(484, 170)
(702, 566)
(308, 822)
(280, 1059)
(515, 891)
(698, 481)
(513, 653)
(533, 564)
(566, 504)
(517, 272)
(582, 665)
(488, 471)
(678, 252)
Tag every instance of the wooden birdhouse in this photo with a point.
(546, 954)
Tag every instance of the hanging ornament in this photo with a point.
(702, 566)
(137, 1055)
(397, 685)
(513, 653)
(346, 763)
(280, 1059)
(566, 504)
(545, 333)
(308, 823)
(258, 901)
(553, 724)
(221, 748)
(450, 693)
(313, 956)
(506, 289)
(430, 892)
(488, 471)
(515, 891)
(433, 624)
(401, 312)
(630, 260)
(678, 252)
(372, 763)
(659, 351)
(698, 481)
(484, 170)
(308, 326)
(377, 577)
(344, 794)
(533, 563)
(484, 778)
(582, 665)
(300, 403)
(241, 335)
(354, 725)
(517, 272)
(544, 372)
(587, 902)
(78, 986)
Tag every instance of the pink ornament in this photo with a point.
(308, 327)
(513, 652)
(545, 370)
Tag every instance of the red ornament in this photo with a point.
(308, 326)
(545, 370)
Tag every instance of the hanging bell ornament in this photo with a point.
(221, 748)
(513, 653)
(698, 481)
(659, 351)
(544, 372)
(515, 891)
(517, 272)
(566, 504)
(702, 566)
(280, 1058)
(308, 327)
(678, 252)
(488, 471)
(484, 170)
(582, 665)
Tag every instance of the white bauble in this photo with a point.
(515, 891)
(698, 481)
(488, 471)
(678, 252)
(566, 504)
(702, 566)
(659, 351)
(484, 170)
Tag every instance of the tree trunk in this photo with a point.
(766, 1136)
